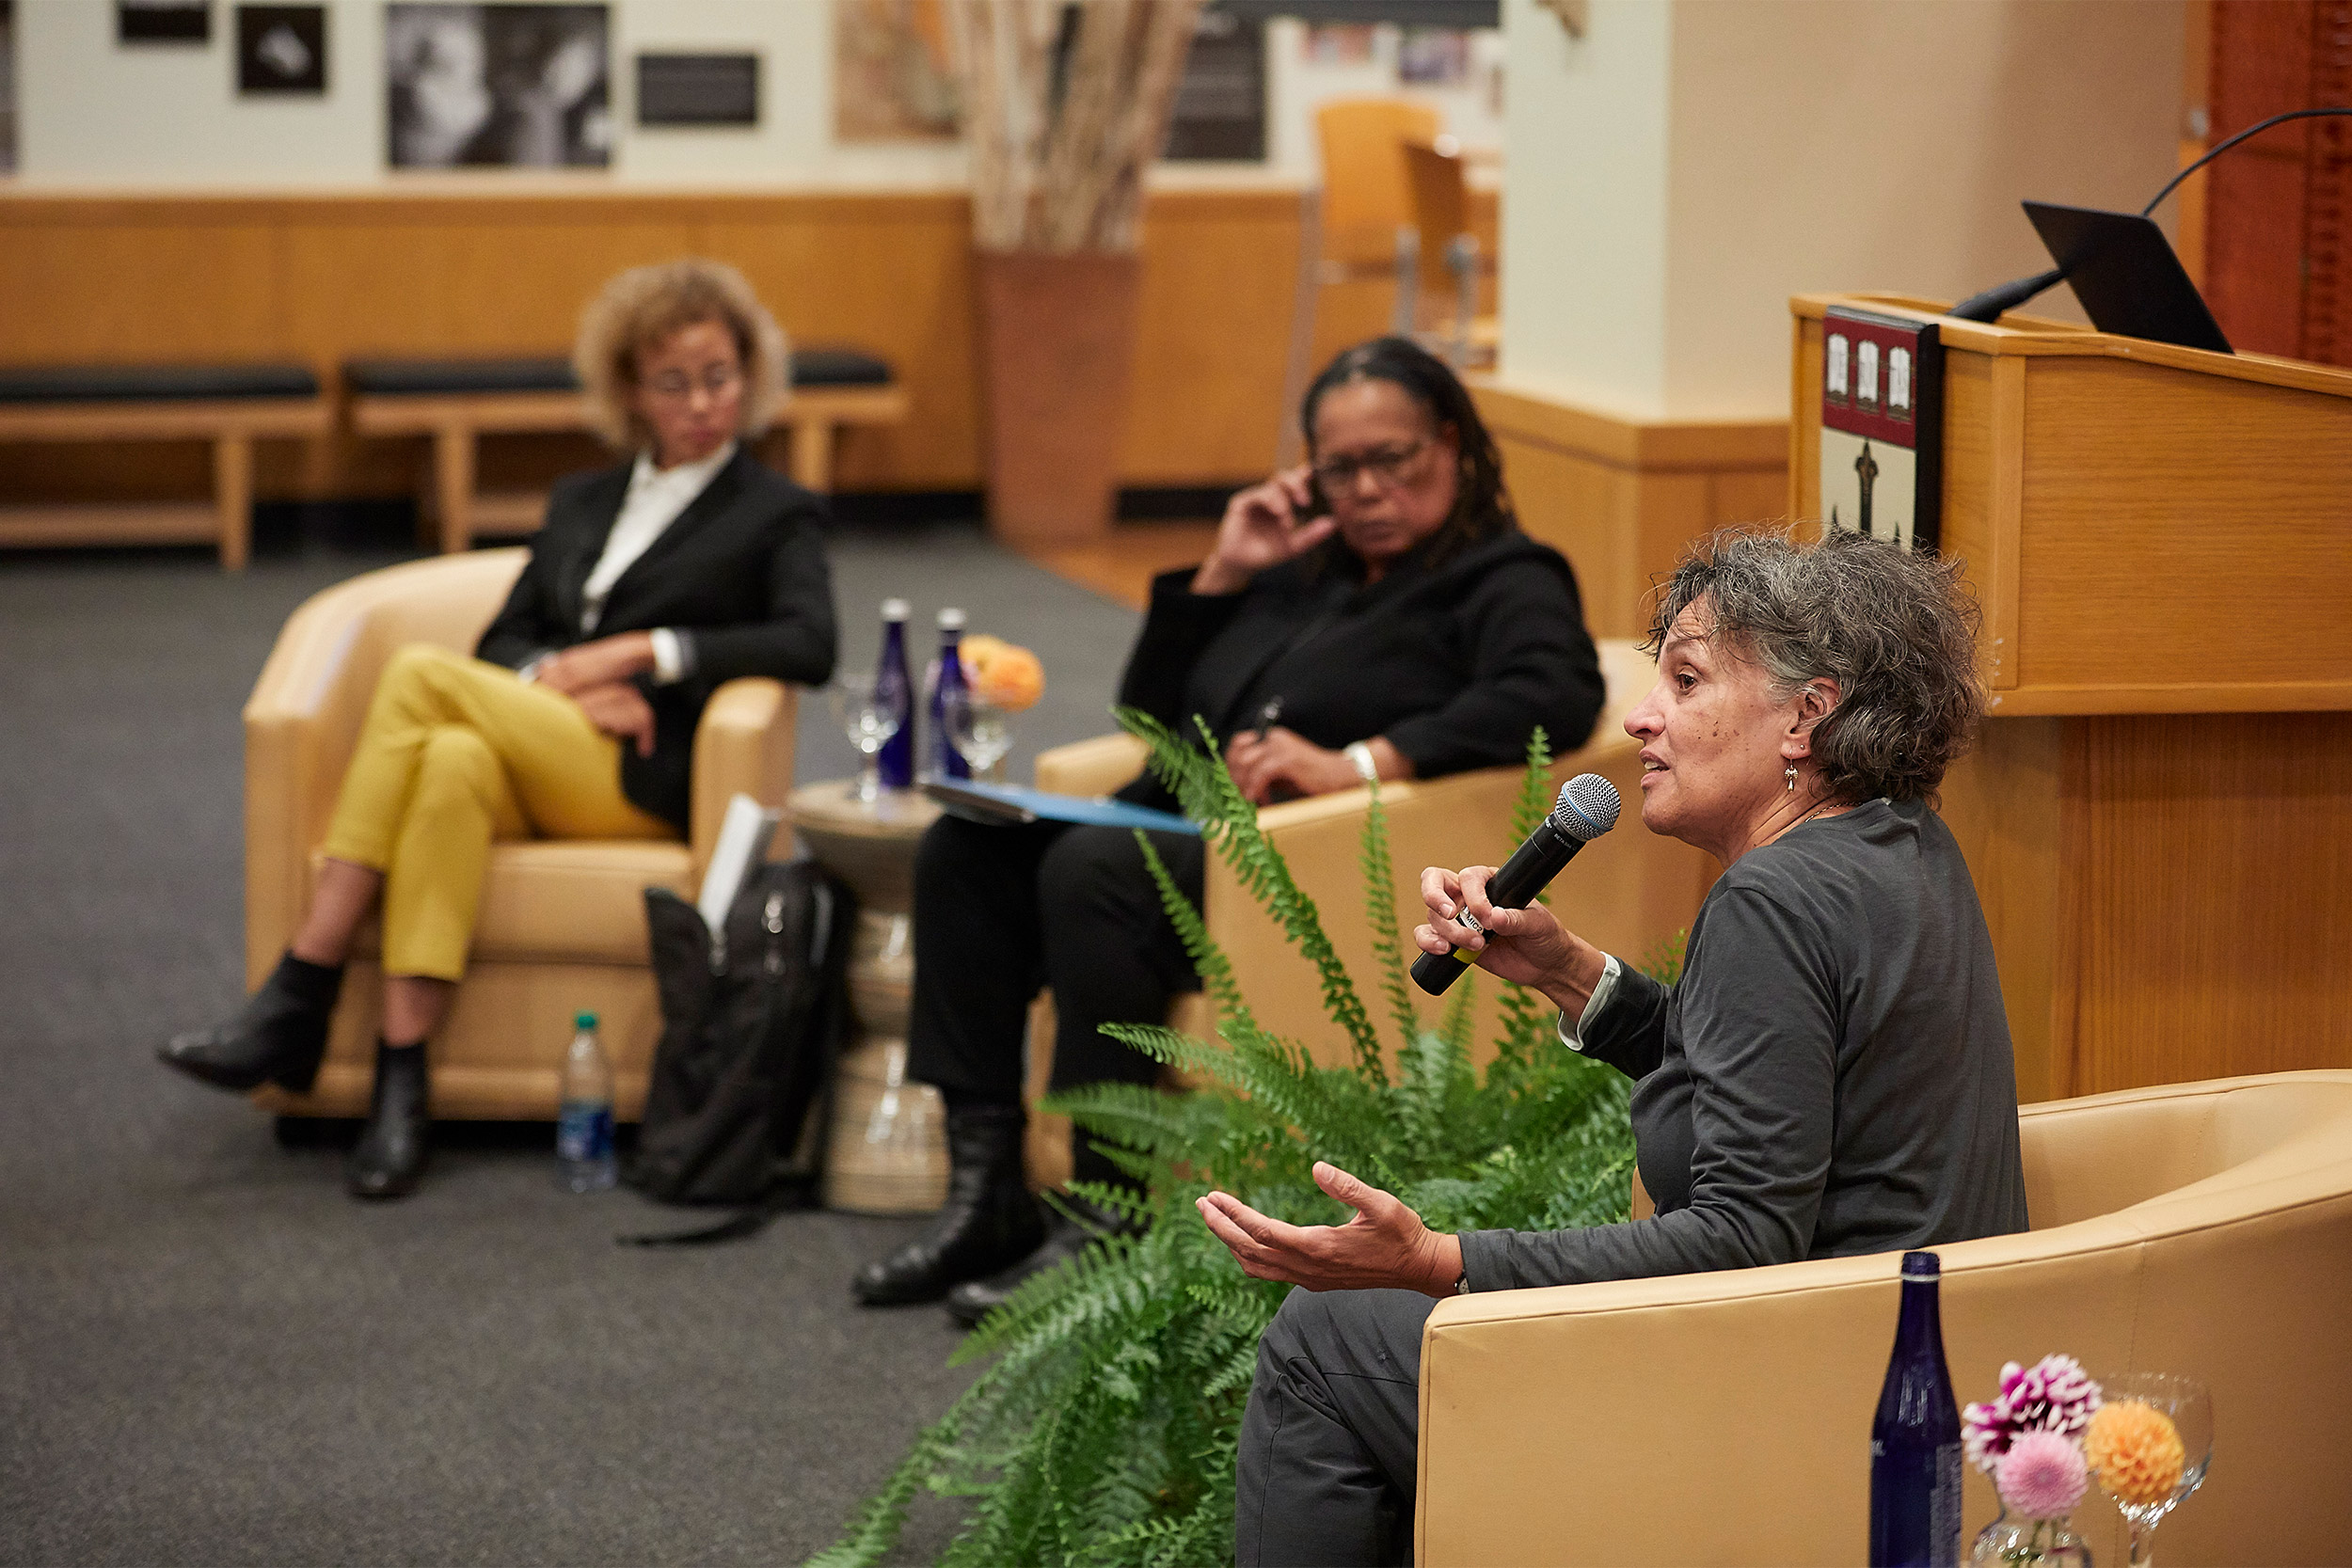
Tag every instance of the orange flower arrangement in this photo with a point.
(2137, 1450)
(1002, 674)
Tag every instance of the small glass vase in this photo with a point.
(2008, 1542)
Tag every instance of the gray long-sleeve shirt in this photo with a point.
(1830, 1077)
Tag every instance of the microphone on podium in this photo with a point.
(1587, 808)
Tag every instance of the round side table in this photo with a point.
(888, 1151)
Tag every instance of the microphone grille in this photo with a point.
(1587, 807)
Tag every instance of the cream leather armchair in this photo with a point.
(562, 925)
(2202, 1228)
(1629, 891)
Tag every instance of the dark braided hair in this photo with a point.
(1482, 507)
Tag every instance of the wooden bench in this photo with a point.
(228, 406)
(457, 402)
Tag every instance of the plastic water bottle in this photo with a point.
(896, 761)
(583, 1133)
(947, 675)
(1914, 1442)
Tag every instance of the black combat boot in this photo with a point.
(989, 1219)
(1066, 1236)
(391, 1153)
(278, 1036)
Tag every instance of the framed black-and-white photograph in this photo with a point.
(281, 50)
(698, 90)
(164, 22)
(497, 86)
(1883, 427)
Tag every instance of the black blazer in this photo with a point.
(741, 574)
(1455, 664)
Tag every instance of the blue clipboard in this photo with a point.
(986, 802)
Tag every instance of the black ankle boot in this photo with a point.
(1066, 1236)
(390, 1154)
(276, 1036)
(989, 1220)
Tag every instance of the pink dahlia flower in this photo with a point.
(2054, 1394)
(2042, 1476)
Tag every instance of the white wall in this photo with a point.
(1585, 202)
(97, 114)
(1807, 144)
(155, 116)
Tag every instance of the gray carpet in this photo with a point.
(207, 1352)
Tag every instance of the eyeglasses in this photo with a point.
(1387, 464)
(718, 381)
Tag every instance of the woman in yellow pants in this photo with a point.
(649, 585)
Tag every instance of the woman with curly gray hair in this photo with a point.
(1830, 1075)
(651, 583)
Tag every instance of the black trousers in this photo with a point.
(1000, 911)
(1326, 1472)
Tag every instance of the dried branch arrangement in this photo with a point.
(1058, 165)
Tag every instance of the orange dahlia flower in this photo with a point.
(2137, 1450)
(1002, 672)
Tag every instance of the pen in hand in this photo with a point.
(1267, 715)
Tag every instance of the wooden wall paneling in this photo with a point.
(1620, 497)
(483, 269)
(2211, 916)
(1588, 511)
(893, 277)
(141, 289)
(1219, 291)
(2002, 802)
(2255, 198)
(2327, 325)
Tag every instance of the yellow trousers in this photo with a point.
(456, 753)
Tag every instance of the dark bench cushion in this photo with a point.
(154, 382)
(398, 378)
(811, 367)
(838, 367)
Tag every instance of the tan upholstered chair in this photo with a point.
(562, 925)
(2202, 1228)
(1626, 892)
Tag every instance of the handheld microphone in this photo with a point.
(1587, 808)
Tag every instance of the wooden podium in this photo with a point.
(2159, 814)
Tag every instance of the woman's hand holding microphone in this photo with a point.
(1526, 946)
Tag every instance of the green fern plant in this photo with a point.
(1102, 1430)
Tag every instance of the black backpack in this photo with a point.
(752, 1020)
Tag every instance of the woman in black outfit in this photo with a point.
(1374, 614)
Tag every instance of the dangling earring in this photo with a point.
(1791, 771)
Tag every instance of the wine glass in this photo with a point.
(867, 706)
(2190, 1407)
(976, 728)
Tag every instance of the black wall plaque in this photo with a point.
(163, 21)
(698, 90)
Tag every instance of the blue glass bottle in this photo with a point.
(896, 761)
(1914, 1442)
(940, 756)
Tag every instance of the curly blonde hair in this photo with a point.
(644, 306)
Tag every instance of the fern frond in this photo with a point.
(1388, 951)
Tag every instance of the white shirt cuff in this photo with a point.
(1602, 990)
(669, 659)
